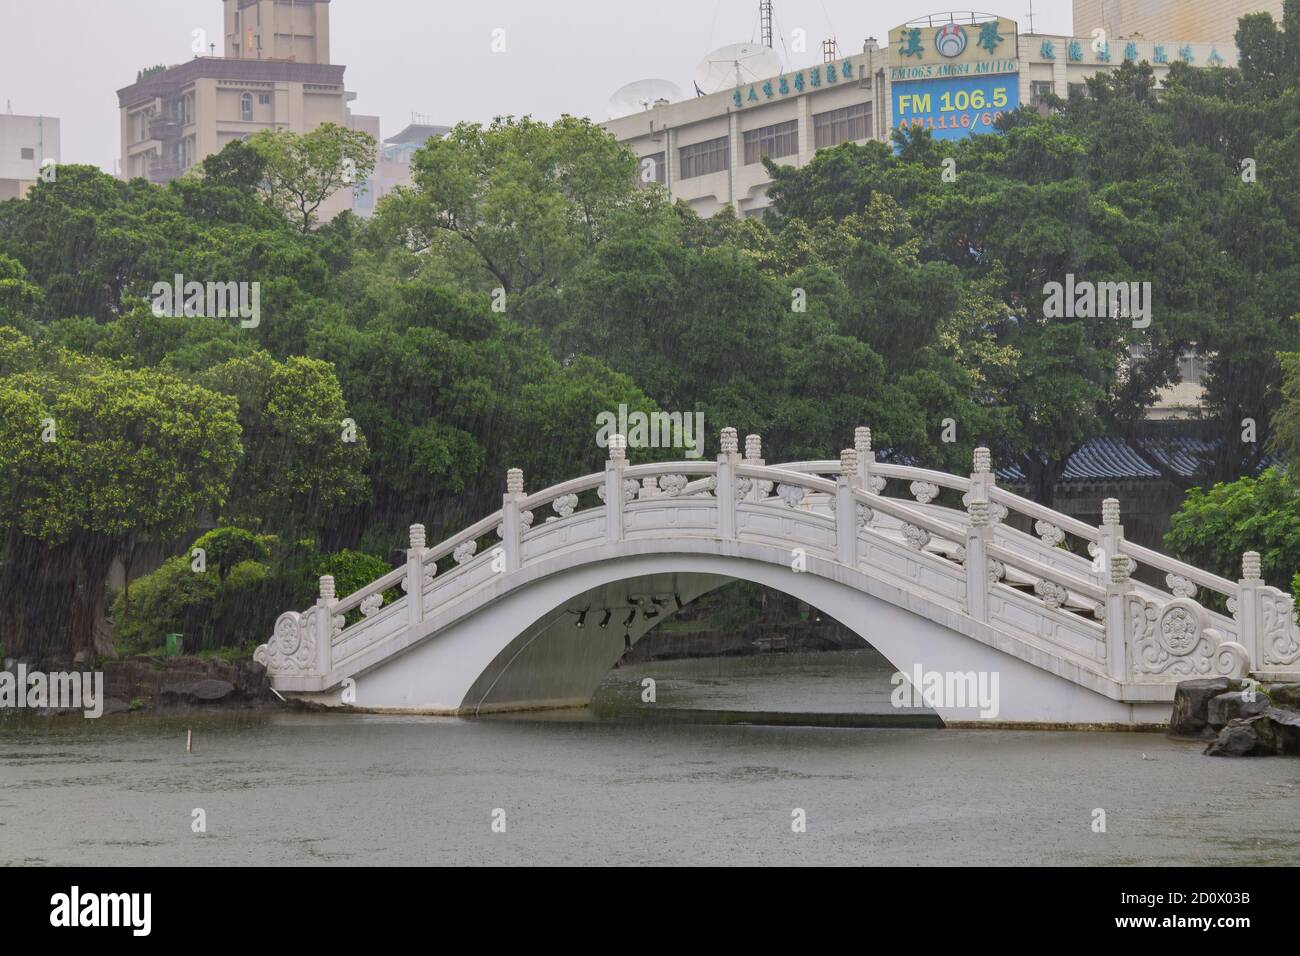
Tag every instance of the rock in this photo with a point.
(211, 691)
(1226, 707)
(207, 691)
(1191, 700)
(1285, 725)
(115, 706)
(1245, 737)
(1284, 695)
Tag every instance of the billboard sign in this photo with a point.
(944, 46)
(957, 107)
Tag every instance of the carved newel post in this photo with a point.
(978, 534)
(846, 512)
(415, 575)
(728, 458)
(615, 465)
(511, 530)
(1248, 605)
(1118, 586)
(325, 623)
(754, 456)
(866, 457)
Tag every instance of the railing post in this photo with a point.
(510, 531)
(1112, 534)
(1248, 611)
(325, 624)
(614, 467)
(866, 457)
(978, 531)
(1115, 567)
(1117, 627)
(754, 456)
(415, 575)
(846, 510)
(726, 490)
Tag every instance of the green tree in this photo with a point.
(301, 457)
(303, 170)
(91, 458)
(1214, 528)
(523, 200)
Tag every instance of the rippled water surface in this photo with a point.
(578, 788)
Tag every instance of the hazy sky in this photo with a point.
(67, 58)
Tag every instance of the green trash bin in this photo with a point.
(175, 644)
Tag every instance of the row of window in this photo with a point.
(781, 139)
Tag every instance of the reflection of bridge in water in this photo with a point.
(534, 613)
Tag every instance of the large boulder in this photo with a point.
(1234, 704)
(1191, 703)
(1285, 726)
(1284, 695)
(1245, 737)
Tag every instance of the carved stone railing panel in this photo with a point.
(1174, 641)
(1281, 638)
(292, 647)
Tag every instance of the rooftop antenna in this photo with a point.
(828, 50)
(765, 21)
(1031, 16)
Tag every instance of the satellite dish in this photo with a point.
(734, 65)
(641, 95)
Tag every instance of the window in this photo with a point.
(653, 169)
(28, 152)
(779, 140)
(711, 156)
(842, 126)
(246, 107)
(1039, 90)
(264, 99)
(1080, 88)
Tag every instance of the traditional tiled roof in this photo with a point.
(1116, 459)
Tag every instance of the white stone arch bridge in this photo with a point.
(540, 599)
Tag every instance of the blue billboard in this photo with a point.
(956, 107)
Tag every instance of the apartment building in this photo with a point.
(275, 74)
